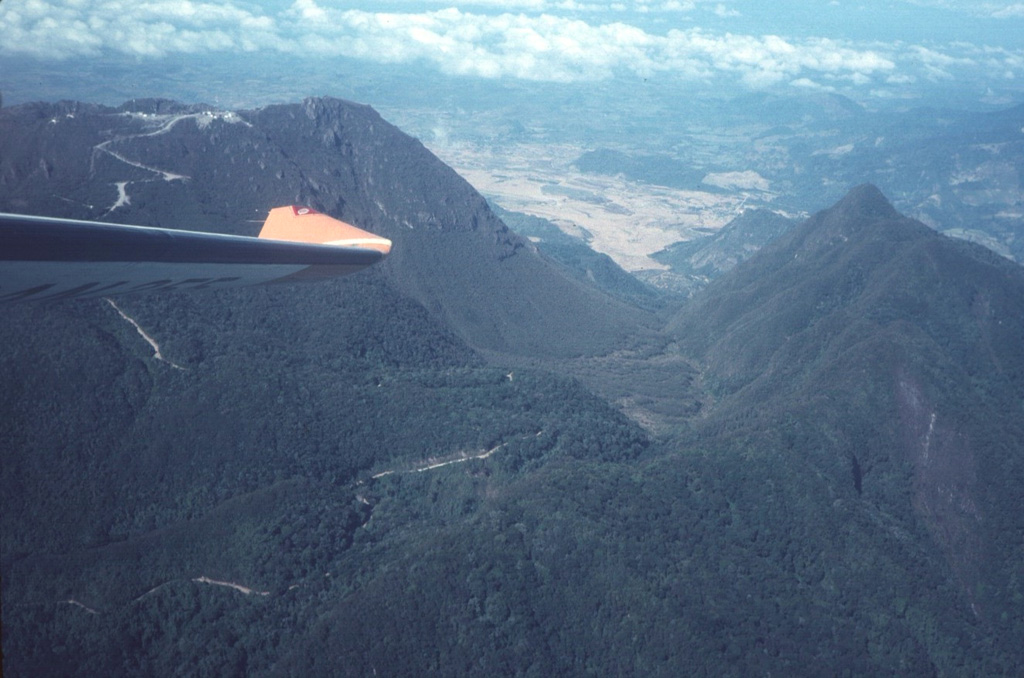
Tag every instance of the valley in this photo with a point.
(624, 218)
(673, 181)
(699, 350)
(811, 462)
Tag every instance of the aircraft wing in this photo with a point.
(43, 258)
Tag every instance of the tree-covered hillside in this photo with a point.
(187, 167)
(472, 459)
(251, 459)
(890, 360)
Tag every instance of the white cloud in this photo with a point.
(937, 66)
(997, 10)
(899, 79)
(150, 29)
(808, 84)
(725, 12)
(532, 42)
(1009, 12)
(556, 6)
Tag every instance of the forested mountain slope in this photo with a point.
(705, 258)
(239, 454)
(890, 360)
(160, 163)
(330, 480)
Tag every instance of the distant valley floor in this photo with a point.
(627, 220)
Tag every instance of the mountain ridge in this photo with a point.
(869, 334)
(703, 259)
(337, 157)
(391, 460)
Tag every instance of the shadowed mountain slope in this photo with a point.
(889, 359)
(336, 483)
(247, 454)
(581, 261)
(163, 164)
(713, 255)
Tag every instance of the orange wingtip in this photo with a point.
(303, 224)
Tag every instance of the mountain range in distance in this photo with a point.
(671, 171)
(481, 457)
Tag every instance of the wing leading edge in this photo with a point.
(43, 258)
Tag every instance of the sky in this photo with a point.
(866, 49)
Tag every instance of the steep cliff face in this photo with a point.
(945, 489)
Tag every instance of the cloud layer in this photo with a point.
(543, 40)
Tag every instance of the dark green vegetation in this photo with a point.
(889, 360)
(700, 260)
(399, 475)
(577, 258)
